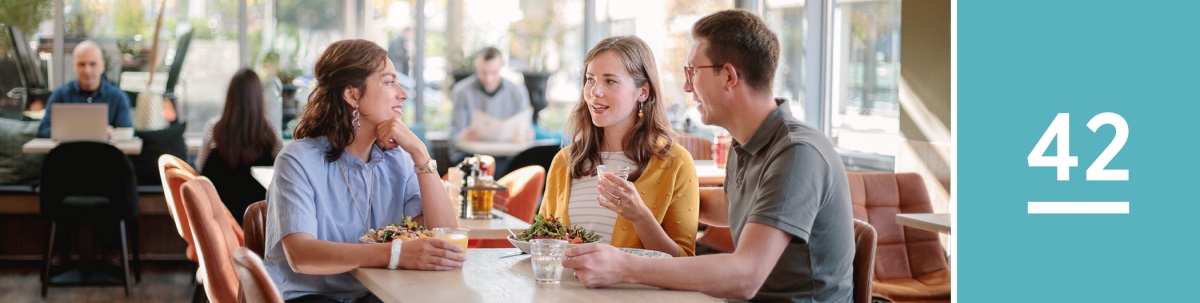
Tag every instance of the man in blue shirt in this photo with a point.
(90, 87)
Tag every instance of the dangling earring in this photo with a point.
(639, 109)
(357, 124)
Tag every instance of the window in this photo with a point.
(864, 109)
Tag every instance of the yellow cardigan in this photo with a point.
(668, 187)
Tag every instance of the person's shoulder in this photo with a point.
(679, 152)
(305, 150)
(109, 87)
(65, 88)
(463, 85)
(805, 141)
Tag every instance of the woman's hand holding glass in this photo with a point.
(431, 254)
(621, 197)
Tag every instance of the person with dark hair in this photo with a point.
(90, 86)
(787, 198)
(238, 139)
(488, 107)
(621, 120)
(354, 166)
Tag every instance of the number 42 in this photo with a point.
(1064, 160)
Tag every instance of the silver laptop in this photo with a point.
(79, 122)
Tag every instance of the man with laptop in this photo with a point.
(90, 88)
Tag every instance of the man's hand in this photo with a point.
(597, 265)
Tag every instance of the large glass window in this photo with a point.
(285, 38)
(789, 20)
(866, 67)
(124, 29)
(667, 27)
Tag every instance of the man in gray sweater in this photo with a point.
(497, 103)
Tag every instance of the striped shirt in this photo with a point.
(582, 206)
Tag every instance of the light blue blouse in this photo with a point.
(312, 196)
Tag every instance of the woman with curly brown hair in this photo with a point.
(354, 166)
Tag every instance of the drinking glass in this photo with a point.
(482, 196)
(547, 257)
(456, 235)
(618, 170)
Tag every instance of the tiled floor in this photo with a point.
(161, 282)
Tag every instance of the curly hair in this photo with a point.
(343, 65)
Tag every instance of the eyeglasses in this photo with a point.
(690, 71)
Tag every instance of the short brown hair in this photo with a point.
(345, 64)
(743, 39)
(489, 53)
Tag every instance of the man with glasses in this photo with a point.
(786, 200)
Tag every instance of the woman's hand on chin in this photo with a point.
(394, 133)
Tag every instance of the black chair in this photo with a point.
(537, 155)
(236, 186)
(155, 143)
(89, 182)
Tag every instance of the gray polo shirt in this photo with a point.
(788, 176)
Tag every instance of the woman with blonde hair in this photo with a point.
(620, 120)
(354, 166)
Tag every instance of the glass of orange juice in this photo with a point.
(456, 235)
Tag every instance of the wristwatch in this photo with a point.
(429, 167)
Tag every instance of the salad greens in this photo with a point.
(550, 228)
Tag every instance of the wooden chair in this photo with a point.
(257, 286)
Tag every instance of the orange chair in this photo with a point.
(700, 147)
(256, 284)
(215, 239)
(173, 179)
(254, 226)
(910, 264)
(168, 161)
(520, 200)
(524, 189)
(864, 260)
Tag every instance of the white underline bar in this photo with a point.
(1078, 207)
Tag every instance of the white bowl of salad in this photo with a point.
(551, 228)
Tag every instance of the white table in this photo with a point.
(931, 222)
(44, 145)
(495, 228)
(485, 277)
(708, 173)
(193, 143)
(263, 174)
(499, 149)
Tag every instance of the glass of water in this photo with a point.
(547, 257)
(618, 170)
